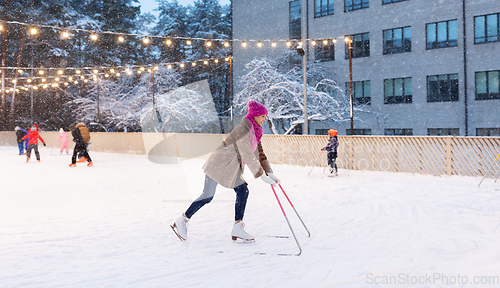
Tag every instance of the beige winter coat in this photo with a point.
(84, 131)
(224, 164)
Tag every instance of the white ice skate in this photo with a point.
(239, 232)
(180, 227)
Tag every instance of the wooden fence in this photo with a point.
(467, 156)
(446, 155)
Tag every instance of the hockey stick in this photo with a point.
(315, 163)
(489, 170)
(290, 226)
(309, 233)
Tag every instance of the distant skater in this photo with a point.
(64, 140)
(33, 142)
(81, 136)
(20, 133)
(331, 149)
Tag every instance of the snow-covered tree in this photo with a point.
(281, 89)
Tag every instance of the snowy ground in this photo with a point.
(108, 226)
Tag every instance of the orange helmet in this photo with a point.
(332, 132)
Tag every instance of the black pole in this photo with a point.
(350, 85)
(465, 71)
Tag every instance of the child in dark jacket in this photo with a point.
(33, 142)
(331, 148)
(19, 136)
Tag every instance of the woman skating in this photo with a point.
(225, 167)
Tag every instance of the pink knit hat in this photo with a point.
(256, 109)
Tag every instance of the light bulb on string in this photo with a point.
(146, 40)
(288, 43)
(112, 70)
(118, 74)
(33, 31)
(70, 78)
(226, 44)
(169, 66)
(45, 86)
(76, 82)
(1, 27)
(273, 44)
(325, 42)
(188, 42)
(205, 62)
(106, 75)
(85, 81)
(96, 71)
(65, 34)
(244, 44)
(43, 79)
(300, 43)
(193, 64)
(29, 80)
(168, 42)
(208, 44)
(14, 81)
(142, 68)
(259, 44)
(60, 72)
(78, 71)
(216, 60)
(334, 40)
(313, 43)
(139, 71)
(66, 83)
(121, 39)
(156, 68)
(93, 37)
(227, 59)
(41, 72)
(57, 79)
(82, 77)
(182, 65)
(35, 87)
(20, 71)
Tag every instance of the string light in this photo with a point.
(65, 34)
(121, 39)
(60, 72)
(205, 62)
(273, 44)
(78, 71)
(244, 44)
(193, 64)
(146, 40)
(93, 37)
(209, 44)
(33, 31)
(313, 43)
(169, 66)
(188, 42)
(288, 43)
(168, 42)
(182, 65)
(41, 72)
(259, 44)
(226, 44)
(325, 42)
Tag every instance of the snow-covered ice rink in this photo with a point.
(108, 226)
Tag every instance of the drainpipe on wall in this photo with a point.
(465, 70)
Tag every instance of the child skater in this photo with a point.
(64, 140)
(225, 167)
(331, 148)
(20, 142)
(81, 136)
(33, 142)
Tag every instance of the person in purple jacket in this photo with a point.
(331, 148)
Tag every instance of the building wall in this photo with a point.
(260, 20)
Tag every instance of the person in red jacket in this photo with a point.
(33, 142)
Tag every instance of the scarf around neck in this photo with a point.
(257, 131)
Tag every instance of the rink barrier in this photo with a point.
(434, 155)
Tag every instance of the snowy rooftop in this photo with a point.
(108, 226)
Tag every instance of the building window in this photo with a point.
(442, 34)
(398, 132)
(487, 85)
(361, 91)
(350, 5)
(295, 20)
(486, 28)
(398, 90)
(442, 88)
(323, 8)
(488, 132)
(360, 45)
(443, 131)
(392, 1)
(359, 131)
(322, 131)
(397, 40)
(324, 52)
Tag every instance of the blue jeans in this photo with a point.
(208, 195)
(21, 148)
